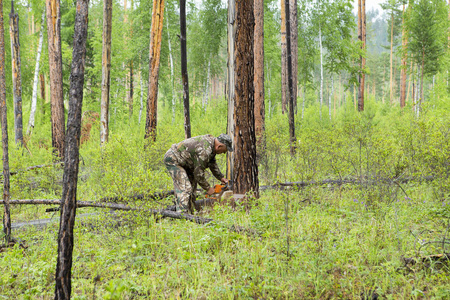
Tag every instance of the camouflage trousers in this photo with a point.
(183, 182)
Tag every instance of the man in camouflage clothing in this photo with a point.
(186, 163)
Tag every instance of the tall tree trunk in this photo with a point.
(131, 92)
(154, 59)
(184, 73)
(294, 48)
(246, 169)
(362, 38)
(292, 137)
(172, 77)
(329, 97)
(142, 95)
(391, 67)
(4, 121)
(106, 71)
(321, 72)
(68, 206)
(259, 73)
(36, 78)
(404, 57)
(56, 83)
(284, 79)
(231, 80)
(16, 74)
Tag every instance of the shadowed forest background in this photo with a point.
(361, 210)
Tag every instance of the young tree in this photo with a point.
(56, 83)
(4, 121)
(184, 73)
(154, 58)
(16, 74)
(245, 177)
(106, 71)
(68, 206)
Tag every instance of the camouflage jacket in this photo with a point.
(195, 155)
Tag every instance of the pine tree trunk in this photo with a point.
(294, 47)
(36, 78)
(142, 96)
(321, 73)
(362, 38)
(404, 57)
(284, 79)
(231, 80)
(391, 77)
(4, 121)
(259, 74)
(68, 206)
(106, 71)
(184, 73)
(154, 59)
(56, 83)
(131, 92)
(246, 169)
(292, 137)
(16, 74)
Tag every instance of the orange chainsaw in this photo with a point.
(219, 189)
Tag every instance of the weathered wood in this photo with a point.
(4, 121)
(63, 275)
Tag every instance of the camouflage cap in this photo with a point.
(226, 140)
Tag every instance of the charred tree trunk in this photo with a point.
(106, 71)
(16, 74)
(56, 83)
(231, 26)
(246, 169)
(36, 78)
(4, 121)
(184, 73)
(292, 137)
(71, 158)
(259, 73)
(154, 58)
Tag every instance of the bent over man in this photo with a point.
(187, 162)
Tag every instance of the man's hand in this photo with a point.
(224, 180)
(210, 191)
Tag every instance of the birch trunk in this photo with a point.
(36, 78)
(106, 71)
(172, 77)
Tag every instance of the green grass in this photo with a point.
(335, 242)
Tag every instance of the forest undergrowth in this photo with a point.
(377, 227)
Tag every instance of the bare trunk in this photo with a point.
(172, 77)
(245, 179)
(231, 27)
(4, 121)
(16, 74)
(36, 78)
(106, 71)
(142, 97)
(154, 59)
(284, 79)
(391, 77)
(131, 92)
(68, 206)
(184, 72)
(362, 38)
(259, 73)
(404, 57)
(292, 137)
(56, 83)
(321, 73)
(294, 48)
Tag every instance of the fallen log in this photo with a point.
(34, 168)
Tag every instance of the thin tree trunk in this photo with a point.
(56, 83)
(404, 57)
(284, 79)
(245, 177)
(131, 92)
(172, 77)
(184, 73)
(16, 74)
(329, 97)
(142, 96)
(391, 77)
(292, 137)
(36, 78)
(206, 93)
(362, 38)
(231, 28)
(259, 74)
(106, 71)
(4, 121)
(321, 73)
(294, 48)
(68, 206)
(154, 59)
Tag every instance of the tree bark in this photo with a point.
(362, 38)
(172, 77)
(154, 59)
(245, 177)
(106, 71)
(284, 79)
(184, 73)
(131, 92)
(259, 74)
(231, 88)
(36, 78)
(294, 48)
(4, 121)
(16, 74)
(321, 73)
(56, 83)
(292, 137)
(404, 57)
(71, 158)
